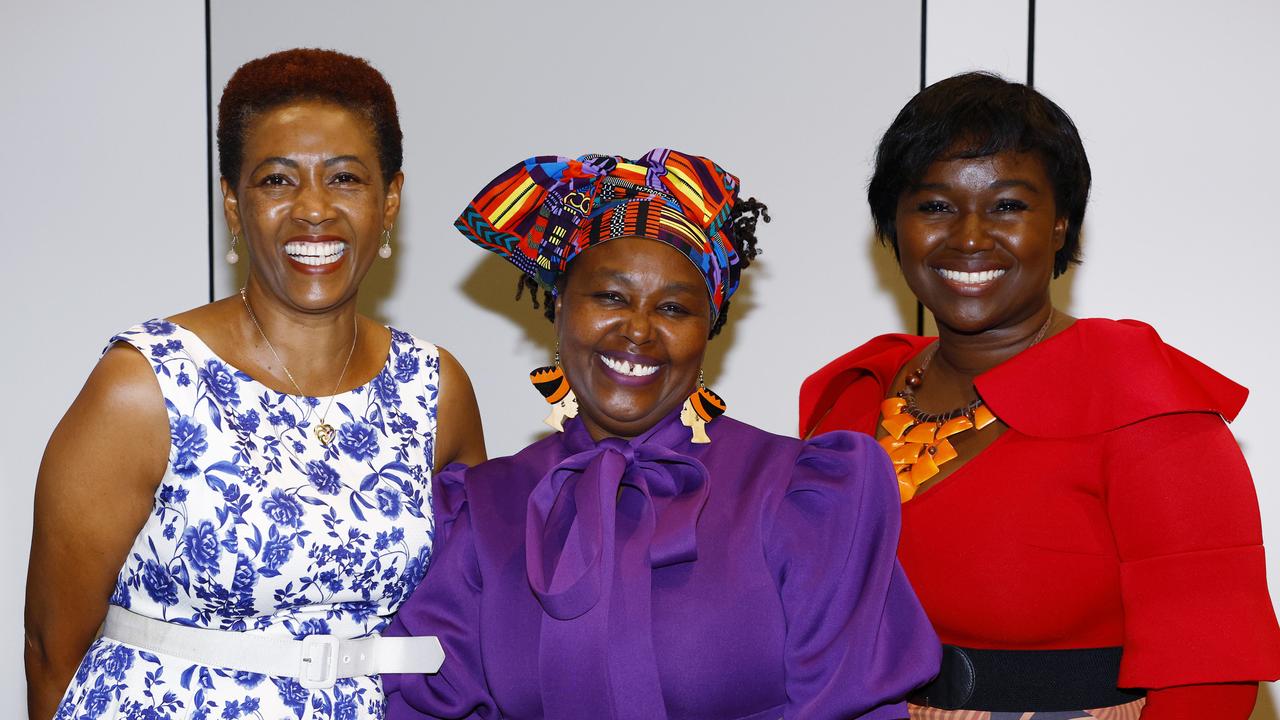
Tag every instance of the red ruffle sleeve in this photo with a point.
(833, 398)
(1189, 538)
(1099, 375)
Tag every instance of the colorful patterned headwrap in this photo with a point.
(546, 210)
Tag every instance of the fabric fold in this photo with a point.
(597, 525)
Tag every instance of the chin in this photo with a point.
(627, 420)
(967, 315)
(320, 299)
(631, 419)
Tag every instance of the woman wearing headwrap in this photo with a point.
(620, 569)
(1078, 520)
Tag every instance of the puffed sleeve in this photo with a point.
(447, 605)
(1193, 579)
(857, 639)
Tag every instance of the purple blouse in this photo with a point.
(751, 578)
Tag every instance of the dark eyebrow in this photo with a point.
(275, 160)
(997, 185)
(614, 274)
(293, 164)
(686, 288)
(623, 277)
(344, 158)
(1001, 184)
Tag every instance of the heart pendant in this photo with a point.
(324, 433)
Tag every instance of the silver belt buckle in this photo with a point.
(319, 667)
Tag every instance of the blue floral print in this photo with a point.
(323, 477)
(159, 583)
(282, 508)
(389, 503)
(189, 439)
(406, 368)
(222, 381)
(258, 528)
(358, 440)
(158, 328)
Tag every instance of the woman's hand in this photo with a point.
(95, 490)
(459, 432)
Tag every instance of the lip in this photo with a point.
(967, 287)
(628, 380)
(324, 269)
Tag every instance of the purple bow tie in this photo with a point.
(597, 525)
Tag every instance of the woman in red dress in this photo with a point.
(1078, 521)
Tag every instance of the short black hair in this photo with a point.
(307, 74)
(973, 115)
(740, 229)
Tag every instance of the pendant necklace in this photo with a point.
(324, 432)
(917, 440)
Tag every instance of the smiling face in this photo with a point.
(977, 238)
(311, 204)
(632, 320)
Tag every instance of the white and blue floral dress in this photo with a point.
(259, 528)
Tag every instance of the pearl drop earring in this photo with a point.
(384, 252)
(232, 256)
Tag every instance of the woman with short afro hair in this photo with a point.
(240, 495)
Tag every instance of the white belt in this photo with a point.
(316, 660)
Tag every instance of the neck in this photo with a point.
(314, 346)
(970, 354)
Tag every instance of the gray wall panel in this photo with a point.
(105, 195)
(790, 101)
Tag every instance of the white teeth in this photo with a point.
(315, 253)
(970, 278)
(629, 368)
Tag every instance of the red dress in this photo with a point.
(1116, 510)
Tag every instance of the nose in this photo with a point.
(312, 205)
(971, 234)
(637, 328)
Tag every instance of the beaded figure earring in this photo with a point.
(554, 386)
(232, 256)
(701, 407)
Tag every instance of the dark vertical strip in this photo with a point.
(208, 133)
(924, 36)
(1031, 43)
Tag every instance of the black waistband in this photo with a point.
(1026, 680)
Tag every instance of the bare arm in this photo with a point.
(459, 433)
(94, 491)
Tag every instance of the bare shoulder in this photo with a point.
(460, 432)
(121, 384)
(118, 420)
(450, 368)
(456, 391)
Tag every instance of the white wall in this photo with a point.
(1180, 130)
(104, 120)
(986, 35)
(103, 183)
(783, 100)
(1176, 108)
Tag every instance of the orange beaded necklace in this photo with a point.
(917, 441)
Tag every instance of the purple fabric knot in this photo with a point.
(597, 525)
(571, 519)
